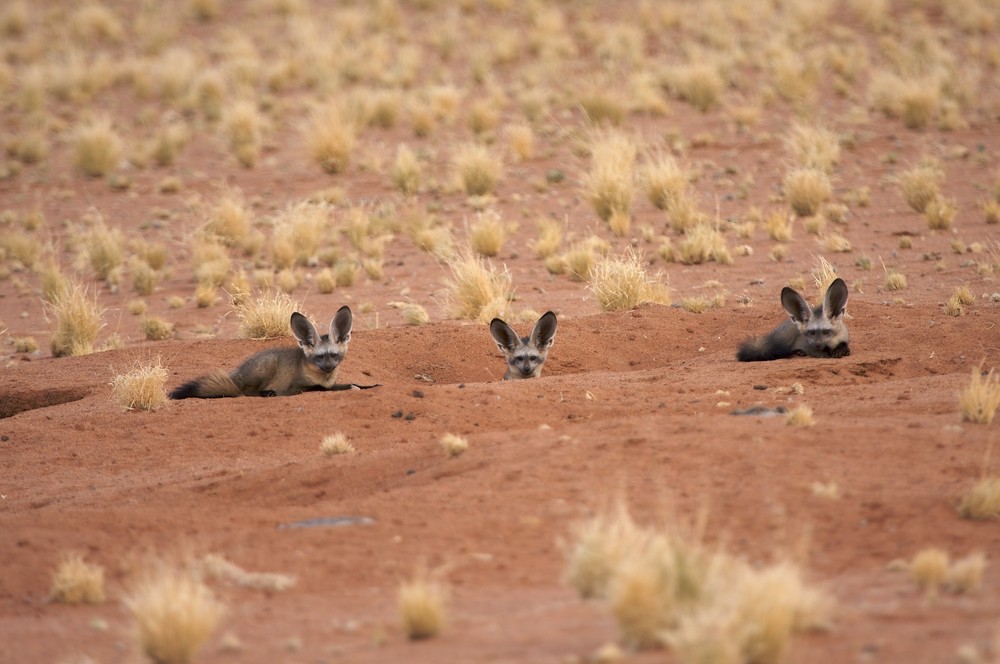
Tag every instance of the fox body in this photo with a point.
(281, 371)
(525, 355)
(816, 332)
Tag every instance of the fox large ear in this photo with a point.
(340, 326)
(304, 331)
(835, 300)
(795, 305)
(502, 333)
(544, 332)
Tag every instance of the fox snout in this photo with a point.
(526, 365)
(327, 362)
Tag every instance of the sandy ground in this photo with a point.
(632, 404)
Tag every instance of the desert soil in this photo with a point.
(633, 404)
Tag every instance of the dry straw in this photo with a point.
(621, 282)
(142, 387)
(979, 400)
(174, 613)
(76, 581)
(421, 603)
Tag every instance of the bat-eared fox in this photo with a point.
(525, 355)
(816, 332)
(281, 371)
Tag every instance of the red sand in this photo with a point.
(632, 404)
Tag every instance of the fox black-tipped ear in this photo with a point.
(340, 326)
(544, 332)
(795, 305)
(304, 331)
(505, 337)
(835, 300)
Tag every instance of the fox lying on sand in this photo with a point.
(282, 371)
(816, 332)
(525, 355)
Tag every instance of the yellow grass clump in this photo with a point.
(921, 185)
(702, 243)
(103, 247)
(521, 140)
(155, 328)
(76, 581)
(330, 136)
(421, 602)
(979, 400)
(414, 314)
(230, 217)
(142, 387)
(479, 170)
(666, 587)
(265, 316)
(550, 234)
(608, 186)
(813, 147)
(78, 320)
(215, 566)
(406, 172)
(174, 613)
(453, 444)
(929, 569)
(487, 234)
(243, 126)
(806, 189)
(97, 148)
(478, 290)
(664, 181)
(982, 501)
(699, 84)
(621, 282)
(336, 443)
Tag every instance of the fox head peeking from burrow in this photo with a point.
(525, 355)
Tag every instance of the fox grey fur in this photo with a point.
(525, 355)
(816, 332)
(282, 371)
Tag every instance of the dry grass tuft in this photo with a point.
(813, 147)
(414, 314)
(478, 169)
(608, 186)
(940, 213)
(979, 400)
(664, 181)
(76, 581)
(966, 575)
(477, 290)
(243, 126)
(97, 148)
(550, 234)
(779, 226)
(330, 137)
(264, 316)
(520, 140)
(921, 185)
(982, 501)
(453, 444)
(823, 274)
(806, 190)
(487, 234)
(621, 282)
(336, 443)
(406, 172)
(155, 328)
(142, 387)
(78, 320)
(421, 603)
(929, 569)
(598, 547)
(230, 217)
(702, 243)
(174, 612)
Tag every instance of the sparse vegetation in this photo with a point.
(422, 606)
(336, 443)
(76, 581)
(141, 388)
(478, 290)
(453, 444)
(621, 282)
(979, 400)
(174, 613)
(982, 501)
(265, 316)
(478, 169)
(78, 320)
